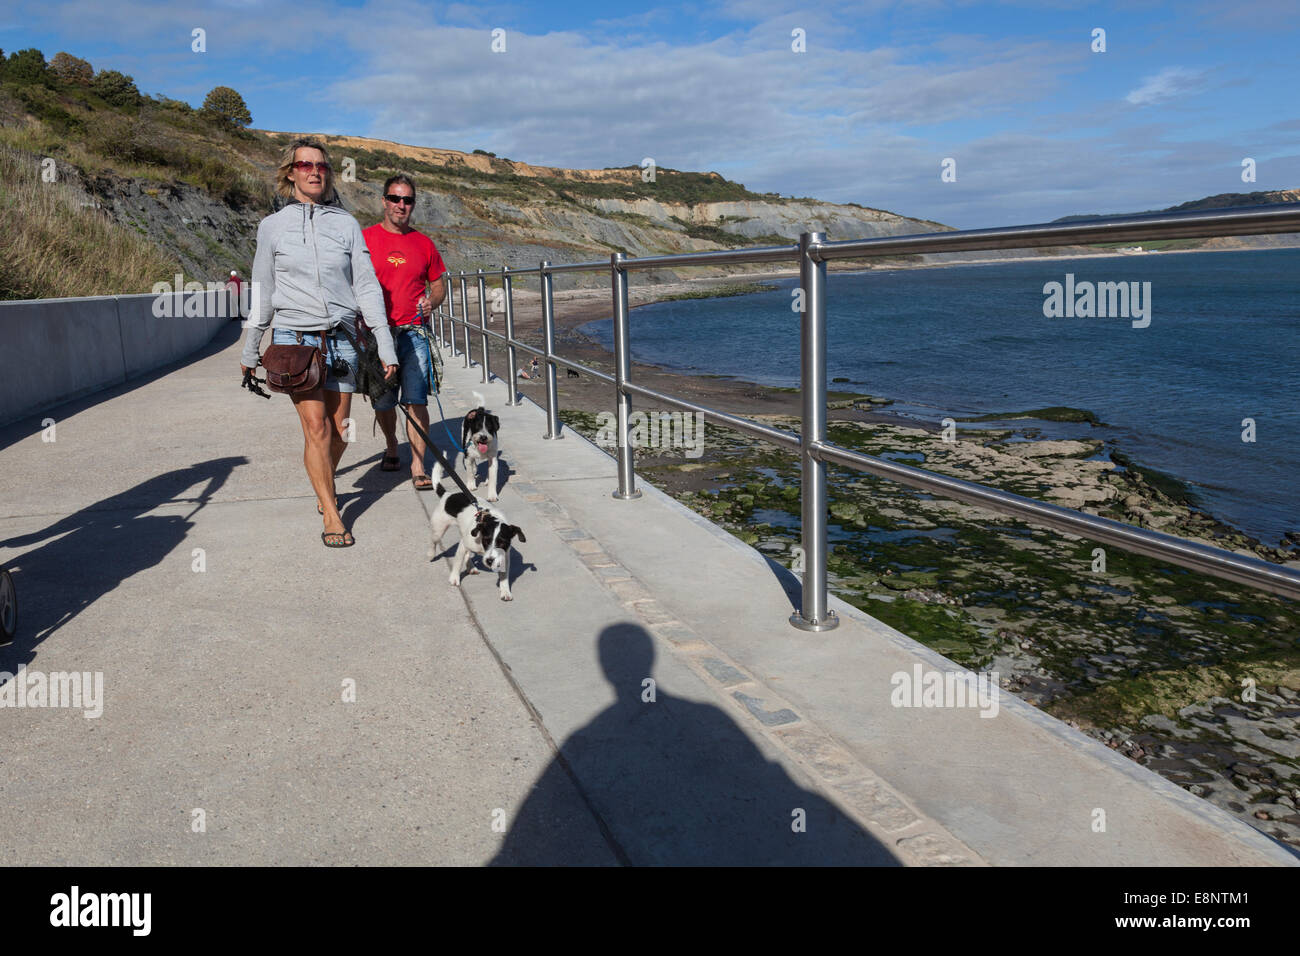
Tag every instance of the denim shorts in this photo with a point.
(413, 356)
(336, 346)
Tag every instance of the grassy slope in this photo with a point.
(56, 247)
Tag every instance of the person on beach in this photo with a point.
(406, 261)
(312, 274)
(234, 285)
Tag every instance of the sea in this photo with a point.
(1205, 386)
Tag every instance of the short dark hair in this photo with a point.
(399, 178)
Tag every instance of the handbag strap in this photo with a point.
(298, 336)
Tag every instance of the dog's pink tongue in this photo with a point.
(482, 448)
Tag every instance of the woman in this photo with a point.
(311, 274)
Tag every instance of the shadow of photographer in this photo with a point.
(675, 782)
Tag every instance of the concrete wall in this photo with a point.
(53, 350)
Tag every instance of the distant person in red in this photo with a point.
(405, 261)
(234, 283)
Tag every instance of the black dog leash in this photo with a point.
(375, 370)
(254, 384)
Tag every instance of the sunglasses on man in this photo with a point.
(403, 200)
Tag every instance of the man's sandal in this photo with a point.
(337, 539)
(422, 482)
(390, 463)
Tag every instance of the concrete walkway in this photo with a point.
(641, 700)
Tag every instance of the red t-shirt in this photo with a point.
(403, 261)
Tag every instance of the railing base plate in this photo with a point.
(829, 624)
(622, 497)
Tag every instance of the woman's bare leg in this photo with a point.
(317, 430)
(338, 406)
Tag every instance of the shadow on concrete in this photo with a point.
(371, 484)
(89, 553)
(677, 783)
(790, 583)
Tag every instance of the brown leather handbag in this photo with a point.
(294, 368)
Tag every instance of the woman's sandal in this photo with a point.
(337, 539)
(321, 511)
(422, 482)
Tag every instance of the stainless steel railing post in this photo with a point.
(464, 314)
(449, 342)
(442, 314)
(814, 615)
(510, 336)
(622, 373)
(482, 325)
(548, 331)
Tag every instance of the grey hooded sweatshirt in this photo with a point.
(312, 270)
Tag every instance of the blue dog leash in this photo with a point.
(433, 383)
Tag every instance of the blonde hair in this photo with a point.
(284, 185)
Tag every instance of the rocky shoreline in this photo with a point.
(1195, 678)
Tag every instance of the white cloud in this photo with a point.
(569, 99)
(1169, 83)
(1023, 115)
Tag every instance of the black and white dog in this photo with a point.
(483, 531)
(479, 439)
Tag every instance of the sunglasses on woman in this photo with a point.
(307, 167)
(404, 200)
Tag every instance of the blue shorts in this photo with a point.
(336, 346)
(413, 356)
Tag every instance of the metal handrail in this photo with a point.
(812, 253)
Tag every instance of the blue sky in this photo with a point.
(1039, 125)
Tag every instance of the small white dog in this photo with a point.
(483, 531)
(479, 439)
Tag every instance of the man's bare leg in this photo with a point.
(388, 425)
(421, 414)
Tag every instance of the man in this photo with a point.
(405, 261)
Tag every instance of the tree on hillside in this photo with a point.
(115, 89)
(226, 105)
(27, 66)
(72, 69)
